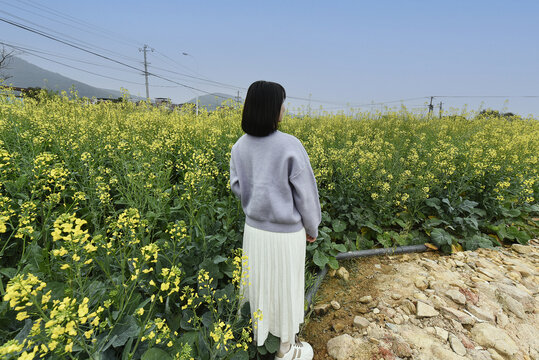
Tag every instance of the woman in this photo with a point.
(271, 174)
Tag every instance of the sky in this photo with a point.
(338, 54)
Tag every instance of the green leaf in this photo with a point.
(155, 354)
(339, 247)
(510, 212)
(240, 355)
(440, 237)
(272, 343)
(123, 331)
(519, 235)
(333, 263)
(219, 259)
(338, 225)
(385, 239)
(8, 272)
(320, 259)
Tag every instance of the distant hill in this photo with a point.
(211, 101)
(24, 74)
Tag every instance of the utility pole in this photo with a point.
(441, 109)
(431, 107)
(145, 49)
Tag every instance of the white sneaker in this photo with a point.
(300, 350)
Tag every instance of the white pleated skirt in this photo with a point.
(274, 282)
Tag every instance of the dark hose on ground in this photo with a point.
(355, 254)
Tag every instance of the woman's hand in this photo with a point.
(310, 238)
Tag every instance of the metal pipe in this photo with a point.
(355, 254)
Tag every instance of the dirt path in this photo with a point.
(470, 305)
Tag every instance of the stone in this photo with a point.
(456, 345)
(420, 296)
(459, 263)
(389, 312)
(365, 299)
(425, 310)
(522, 249)
(338, 326)
(458, 315)
(321, 309)
(481, 313)
(378, 266)
(361, 322)
(440, 353)
(396, 296)
(335, 305)
(441, 333)
(437, 302)
(343, 273)
(510, 304)
(401, 349)
(421, 284)
(343, 347)
(332, 272)
(392, 327)
(489, 336)
(408, 307)
(522, 295)
(398, 319)
(468, 344)
(376, 311)
(456, 296)
(494, 354)
(515, 276)
(502, 319)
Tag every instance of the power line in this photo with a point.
(78, 21)
(77, 41)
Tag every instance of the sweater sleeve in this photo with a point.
(306, 199)
(234, 180)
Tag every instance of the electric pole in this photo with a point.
(441, 109)
(145, 50)
(431, 107)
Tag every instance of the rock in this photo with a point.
(465, 341)
(376, 311)
(361, 322)
(408, 307)
(510, 304)
(494, 354)
(418, 338)
(481, 313)
(425, 310)
(421, 283)
(338, 326)
(343, 273)
(443, 354)
(401, 349)
(343, 347)
(458, 315)
(470, 296)
(335, 305)
(521, 295)
(378, 266)
(522, 249)
(502, 319)
(515, 276)
(437, 302)
(456, 296)
(365, 299)
(489, 336)
(389, 312)
(441, 333)
(459, 263)
(420, 296)
(392, 327)
(332, 272)
(456, 345)
(321, 309)
(396, 296)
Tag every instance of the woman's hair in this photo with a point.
(262, 108)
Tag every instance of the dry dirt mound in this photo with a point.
(470, 305)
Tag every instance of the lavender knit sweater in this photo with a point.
(274, 180)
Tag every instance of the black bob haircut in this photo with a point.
(262, 108)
